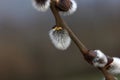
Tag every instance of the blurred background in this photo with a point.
(26, 52)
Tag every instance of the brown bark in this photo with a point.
(87, 54)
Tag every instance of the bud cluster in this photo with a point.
(101, 60)
(65, 7)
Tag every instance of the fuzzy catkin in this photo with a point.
(41, 5)
(60, 38)
(71, 9)
(115, 66)
(100, 60)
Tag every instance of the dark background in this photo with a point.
(26, 52)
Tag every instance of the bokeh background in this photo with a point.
(26, 52)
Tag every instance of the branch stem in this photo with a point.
(107, 75)
(60, 22)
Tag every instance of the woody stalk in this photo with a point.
(61, 36)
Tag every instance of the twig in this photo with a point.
(60, 22)
(88, 54)
(107, 75)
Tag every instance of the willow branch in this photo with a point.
(60, 22)
(88, 54)
(107, 75)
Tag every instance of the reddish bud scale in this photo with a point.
(66, 7)
(63, 5)
(42, 2)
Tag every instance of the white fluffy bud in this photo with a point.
(100, 60)
(72, 8)
(41, 5)
(60, 38)
(115, 66)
